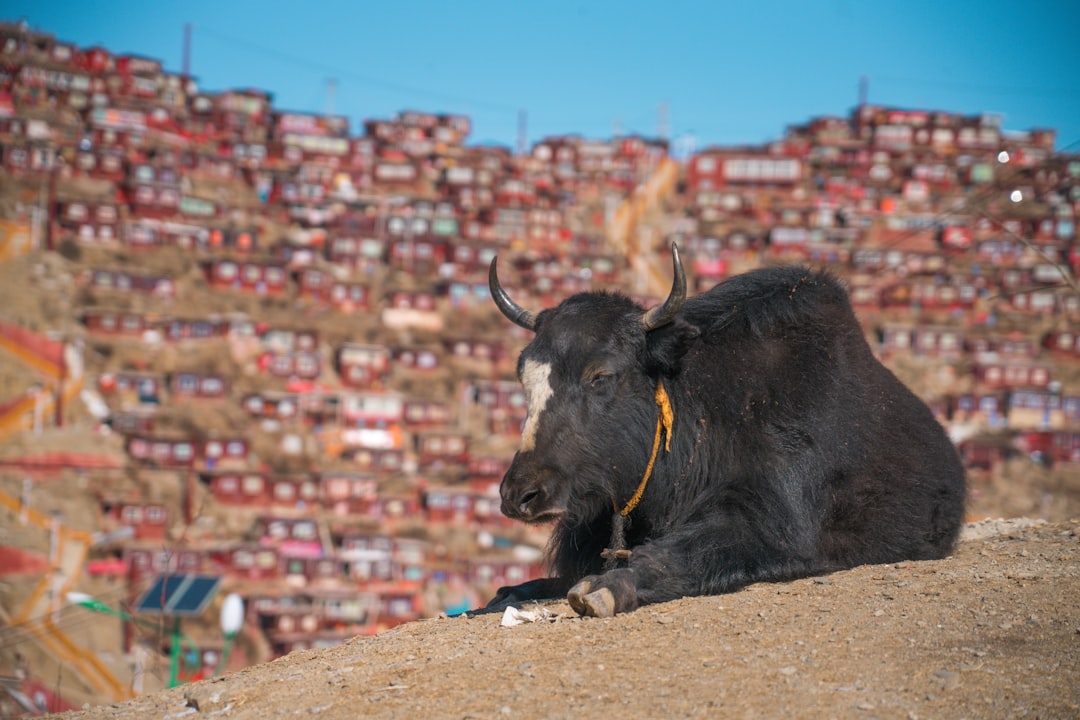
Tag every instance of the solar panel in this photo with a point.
(178, 594)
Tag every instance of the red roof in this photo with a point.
(14, 561)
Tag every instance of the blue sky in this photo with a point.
(726, 72)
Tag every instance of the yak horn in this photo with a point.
(513, 312)
(664, 314)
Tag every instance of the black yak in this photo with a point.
(745, 434)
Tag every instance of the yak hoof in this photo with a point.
(600, 603)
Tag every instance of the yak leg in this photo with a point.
(541, 589)
(707, 557)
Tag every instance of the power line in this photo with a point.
(337, 72)
(979, 87)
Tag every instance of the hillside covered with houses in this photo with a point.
(256, 345)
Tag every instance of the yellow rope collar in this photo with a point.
(664, 420)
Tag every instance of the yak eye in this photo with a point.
(598, 379)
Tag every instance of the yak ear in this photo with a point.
(665, 346)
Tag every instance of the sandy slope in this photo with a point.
(991, 632)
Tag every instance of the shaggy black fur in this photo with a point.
(794, 451)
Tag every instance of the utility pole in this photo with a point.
(331, 95)
(864, 89)
(186, 52)
(523, 136)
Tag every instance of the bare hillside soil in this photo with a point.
(991, 632)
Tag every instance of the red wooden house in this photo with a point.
(372, 409)
(272, 405)
(448, 506)
(179, 329)
(1063, 343)
(130, 389)
(415, 309)
(438, 449)
(349, 297)
(350, 493)
(249, 563)
(132, 422)
(163, 452)
(198, 386)
(1009, 372)
(1050, 446)
(987, 409)
(224, 452)
(313, 283)
(926, 340)
(294, 364)
(96, 60)
(294, 537)
(363, 254)
(153, 191)
(145, 521)
(363, 365)
(121, 281)
(247, 276)
(114, 322)
(376, 460)
(476, 350)
(1044, 408)
(418, 359)
(232, 487)
(92, 223)
(427, 414)
(720, 168)
(144, 563)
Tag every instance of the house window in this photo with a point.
(252, 485)
(213, 386)
(307, 366)
(337, 488)
(226, 270)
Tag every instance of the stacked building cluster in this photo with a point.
(285, 326)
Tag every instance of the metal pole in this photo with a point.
(187, 51)
(174, 654)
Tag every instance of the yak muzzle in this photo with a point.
(528, 497)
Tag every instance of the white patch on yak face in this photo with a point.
(536, 379)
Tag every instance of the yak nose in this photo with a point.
(516, 501)
(521, 492)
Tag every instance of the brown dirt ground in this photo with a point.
(991, 632)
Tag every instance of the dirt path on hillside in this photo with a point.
(991, 632)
